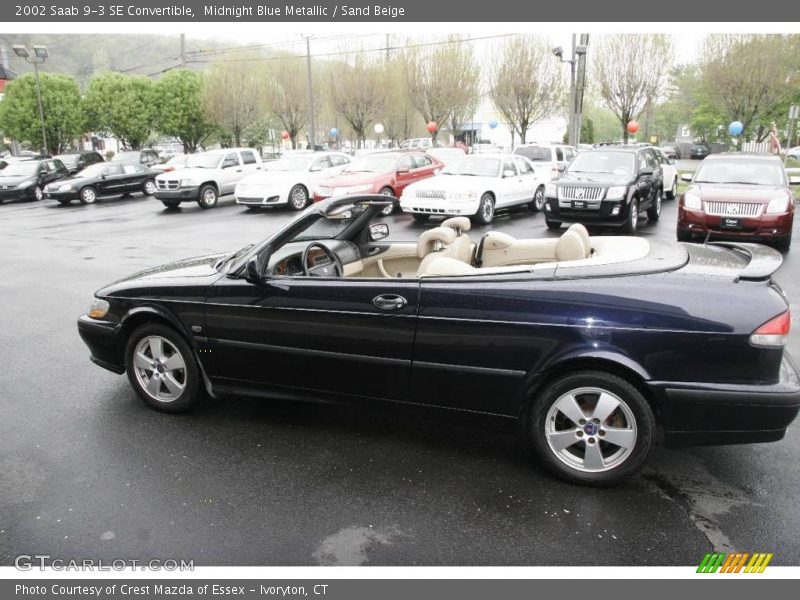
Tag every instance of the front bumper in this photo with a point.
(604, 215)
(17, 194)
(56, 195)
(438, 207)
(183, 194)
(264, 197)
(104, 342)
(753, 228)
(699, 414)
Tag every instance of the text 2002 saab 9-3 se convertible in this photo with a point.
(598, 345)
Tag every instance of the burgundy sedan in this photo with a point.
(744, 197)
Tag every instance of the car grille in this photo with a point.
(166, 185)
(433, 211)
(325, 190)
(435, 194)
(577, 192)
(732, 209)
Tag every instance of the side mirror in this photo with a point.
(562, 168)
(254, 273)
(686, 177)
(378, 231)
(509, 173)
(103, 175)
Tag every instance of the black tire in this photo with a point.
(632, 222)
(684, 236)
(421, 218)
(673, 191)
(37, 193)
(783, 243)
(253, 208)
(298, 197)
(485, 214)
(635, 421)
(88, 195)
(654, 212)
(65, 201)
(190, 378)
(387, 191)
(538, 201)
(171, 204)
(207, 197)
(149, 187)
(552, 225)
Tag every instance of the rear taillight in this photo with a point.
(773, 333)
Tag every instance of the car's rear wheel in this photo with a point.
(149, 187)
(673, 191)
(592, 427)
(632, 221)
(88, 195)
(654, 212)
(298, 197)
(387, 191)
(421, 218)
(485, 213)
(171, 203)
(538, 201)
(552, 225)
(162, 369)
(207, 197)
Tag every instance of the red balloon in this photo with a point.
(633, 126)
(432, 126)
(285, 135)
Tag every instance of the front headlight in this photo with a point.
(188, 183)
(65, 187)
(778, 205)
(692, 201)
(462, 195)
(551, 190)
(616, 192)
(98, 308)
(26, 183)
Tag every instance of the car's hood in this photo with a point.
(273, 178)
(452, 183)
(603, 178)
(186, 269)
(187, 173)
(737, 192)
(14, 181)
(351, 179)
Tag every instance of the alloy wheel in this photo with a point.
(37, 193)
(299, 198)
(149, 188)
(160, 368)
(488, 210)
(591, 429)
(538, 199)
(88, 195)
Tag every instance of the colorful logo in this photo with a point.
(743, 562)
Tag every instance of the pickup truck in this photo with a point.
(207, 176)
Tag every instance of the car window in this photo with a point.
(509, 166)
(57, 165)
(406, 163)
(248, 157)
(559, 154)
(523, 166)
(113, 170)
(131, 169)
(231, 159)
(535, 153)
(339, 160)
(422, 161)
(569, 154)
(322, 163)
(45, 167)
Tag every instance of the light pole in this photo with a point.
(310, 93)
(578, 54)
(39, 56)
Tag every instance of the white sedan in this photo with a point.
(288, 180)
(477, 186)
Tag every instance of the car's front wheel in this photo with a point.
(673, 191)
(171, 204)
(389, 209)
(684, 236)
(552, 225)
(591, 427)
(485, 213)
(88, 195)
(654, 212)
(298, 197)
(632, 222)
(149, 187)
(162, 369)
(538, 200)
(37, 193)
(783, 243)
(207, 197)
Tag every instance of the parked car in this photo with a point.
(670, 151)
(599, 345)
(416, 144)
(175, 163)
(738, 196)
(553, 158)
(607, 186)
(26, 179)
(386, 173)
(77, 161)
(793, 153)
(288, 181)
(168, 153)
(669, 173)
(207, 176)
(477, 186)
(446, 155)
(103, 179)
(699, 150)
(145, 157)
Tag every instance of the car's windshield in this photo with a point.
(740, 171)
(20, 169)
(372, 164)
(68, 159)
(616, 163)
(297, 163)
(535, 153)
(475, 166)
(126, 156)
(209, 160)
(327, 227)
(92, 170)
(178, 160)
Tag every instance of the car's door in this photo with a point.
(527, 180)
(404, 175)
(298, 334)
(249, 162)
(59, 170)
(232, 170)
(509, 184)
(644, 180)
(112, 180)
(134, 177)
(44, 173)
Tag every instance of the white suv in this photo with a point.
(207, 176)
(550, 158)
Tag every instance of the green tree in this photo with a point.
(122, 105)
(61, 102)
(179, 98)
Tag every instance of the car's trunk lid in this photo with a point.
(742, 261)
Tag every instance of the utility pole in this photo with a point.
(794, 114)
(387, 46)
(312, 126)
(577, 69)
(183, 50)
(580, 86)
(40, 55)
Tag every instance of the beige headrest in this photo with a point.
(583, 232)
(496, 240)
(429, 240)
(571, 246)
(442, 266)
(458, 223)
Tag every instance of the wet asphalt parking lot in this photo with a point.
(88, 471)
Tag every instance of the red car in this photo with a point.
(744, 197)
(385, 173)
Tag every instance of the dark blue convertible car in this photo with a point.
(599, 346)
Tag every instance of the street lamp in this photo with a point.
(40, 55)
(576, 63)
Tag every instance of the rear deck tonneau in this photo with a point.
(763, 260)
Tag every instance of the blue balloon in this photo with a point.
(334, 132)
(493, 123)
(735, 128)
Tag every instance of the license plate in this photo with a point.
(728, 223)
(579, 205)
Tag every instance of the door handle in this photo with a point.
(389, 302)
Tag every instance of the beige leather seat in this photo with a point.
(583, 232)
(572, 246)
(434, 243)
(499, 249)
(463, 245)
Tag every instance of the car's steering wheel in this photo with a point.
(332, 269)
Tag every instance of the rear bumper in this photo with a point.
(756, 228)
(17, 194)
(103, 340)
(184, 194)
(699, 414)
